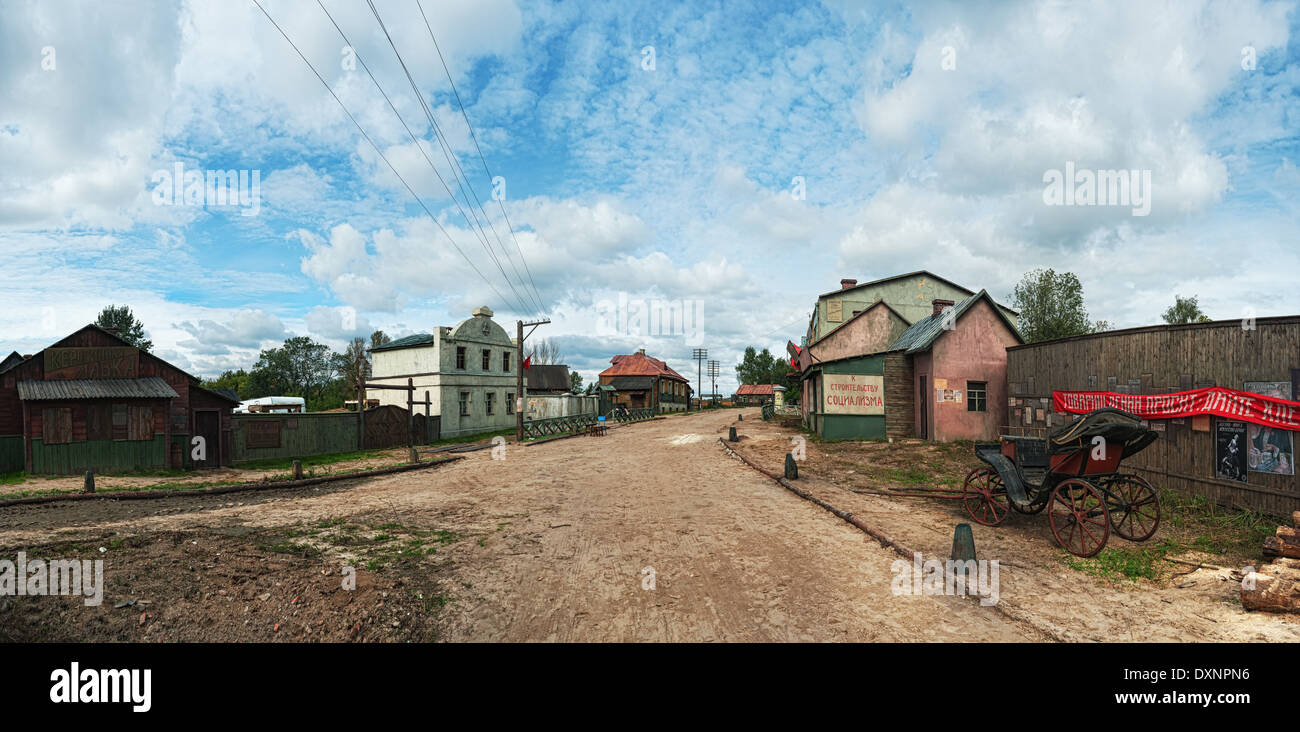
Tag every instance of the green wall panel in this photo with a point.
(101, 455)
(12, 456)
(313, 434)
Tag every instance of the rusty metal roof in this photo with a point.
(152, 387)
(639, 364)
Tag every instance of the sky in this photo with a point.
(729, 161)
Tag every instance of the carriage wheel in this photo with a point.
(1078, 516)
(985, 497)
(1034, 506)
(1139, 518)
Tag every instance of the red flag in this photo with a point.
(527, 362)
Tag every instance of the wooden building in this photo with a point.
(638, 381)
(94, 401)
(1258, 356)
(878, 374)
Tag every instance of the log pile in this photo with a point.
(1275, 587)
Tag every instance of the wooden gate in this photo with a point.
(389, 426)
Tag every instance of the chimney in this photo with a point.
(846, 284)
(641, 352)
(939, 305)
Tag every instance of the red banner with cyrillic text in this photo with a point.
(1215, 400)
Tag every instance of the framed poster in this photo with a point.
(1230, 450)
(1275, 389)
(1271, 450)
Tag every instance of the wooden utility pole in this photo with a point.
(519, 374)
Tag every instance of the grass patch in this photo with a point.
(306, 551)
(312, 461)
(13, 478)
(1129, 563)
(1214, 529)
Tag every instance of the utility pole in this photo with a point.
(519, 374)
(713, 376)
(699, 354)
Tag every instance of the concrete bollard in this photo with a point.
(413, 456)
(740, 418)
(791, 468)
(297, 470)
(731, 436)
(963, 543)
(89, 486)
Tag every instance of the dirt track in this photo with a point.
(554, 543)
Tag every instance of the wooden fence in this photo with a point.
(286, 436)
(1160, 360)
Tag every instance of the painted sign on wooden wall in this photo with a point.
(854, 394)
(262, 434)
(92, 363)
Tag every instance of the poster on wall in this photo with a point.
(854, 393)
(1274, 389)
(1270, 450)
(1230, 450)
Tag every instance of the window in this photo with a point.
(99, 422)
(487, 360)
(56, 426)
(505, 360)
(510, 402)
(464, 404)
(460, 357)
(977, 396)
(139, 423)
(491, 400)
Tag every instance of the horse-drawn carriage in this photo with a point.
(1074, 474)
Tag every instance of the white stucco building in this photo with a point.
(469, 372)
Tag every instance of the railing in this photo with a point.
(563, 425)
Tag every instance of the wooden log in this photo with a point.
(1273, 592)
(1285, 562)
(1295, 519)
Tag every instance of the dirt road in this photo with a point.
(650, 533)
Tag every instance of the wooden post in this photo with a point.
(428, 425)
(89, 486)
(361, 413)
(519, 381)
(410, 416)
(731, 437)
(297, 470)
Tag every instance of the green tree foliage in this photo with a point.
(379, 338)
(128, 328)
(299, 367)
(353, 365)
(575, 382)
(1051, 306)
(1185, 310)
(761, 367)
(237, 380)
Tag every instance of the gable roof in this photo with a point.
(419, 339)
(861, 313)
(923, 333)
(639, 364)
(547, 377)
(11, 361)
(755, 390)
(150, 387)
(924, 272)
(93, 326)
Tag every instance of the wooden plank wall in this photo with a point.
(1161, 360)
(900, 419)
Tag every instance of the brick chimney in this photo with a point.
(847, 283)
(640, 352)
(939, 305)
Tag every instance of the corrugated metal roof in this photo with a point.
(419, 339)
(755, 390)
(639, 364)
(152, 387)
(923, 333)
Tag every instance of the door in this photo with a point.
(925, 407)
(207, 424)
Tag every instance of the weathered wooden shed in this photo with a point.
(94, 401)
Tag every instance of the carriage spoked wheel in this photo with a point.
(1034, 506)
(1136, 514)
(985, 496)
(1078, 517)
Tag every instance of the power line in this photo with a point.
(477, 147)
(482, 236)
(446, 150)
(378, 151)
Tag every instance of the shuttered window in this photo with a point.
(99, 422)
(139, 423)
(56, 426)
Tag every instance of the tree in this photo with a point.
(575, 382)
(122, 320)
(299, 367)
(379, 338)
(1051, 306)
(237, 380)
(1185, 310)
(352, 365)
(546, 352)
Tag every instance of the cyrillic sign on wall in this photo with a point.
(1228, 403)
(91, 363)
(853, 394)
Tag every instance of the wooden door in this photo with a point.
(207, 424)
